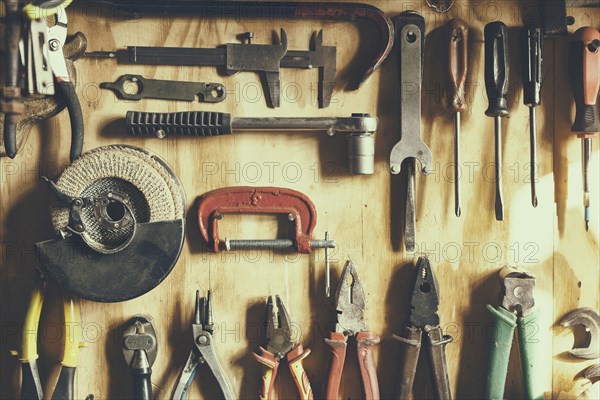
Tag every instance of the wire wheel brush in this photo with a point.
(120, 221)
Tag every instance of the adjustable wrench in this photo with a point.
(410, 27)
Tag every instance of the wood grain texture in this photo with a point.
(361, 213)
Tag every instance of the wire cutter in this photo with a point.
(424, 304)
(350, 306)
(516, 311)
(203, 351)
(31, 385)
(280, 344)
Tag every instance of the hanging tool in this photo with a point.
(458, 33)
(280, 345)
(214, 205)
(235, 57)
(359, 129)
(40, 108)
(423, 318)
(203, 352)
(584, 75)
(140, 348)
(121, 221)
(590, 320)
(516, 311)
(497, 73)
(31, 385)
(554, 15)
(410, 27)
(531, 56)
(136, 87)
(350, 307)
(271, 10)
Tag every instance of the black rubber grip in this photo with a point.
(65, 385)
(75, 116)
(497, 68)
(191, 123)
(142, 386)
(10, 137)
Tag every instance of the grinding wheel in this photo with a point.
(121, 222)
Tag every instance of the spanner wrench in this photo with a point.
(410, 27)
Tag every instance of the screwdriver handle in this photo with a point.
(531, 56)
(458, 45)
(584, 65)
(497, 68)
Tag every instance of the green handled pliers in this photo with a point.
(517, 311)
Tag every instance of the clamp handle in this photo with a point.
(257, 200)
(458, 46)
(584, 65)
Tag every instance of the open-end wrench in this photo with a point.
(136, 87)
(590, 320)
(410, 27)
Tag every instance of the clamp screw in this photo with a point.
(291, 217)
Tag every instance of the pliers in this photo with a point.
(424, 304)
(350, 306)
(203, 351)
(31, 385)
(516, 311)
(280, 344)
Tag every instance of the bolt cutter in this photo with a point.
(31, 385)
(516, 311)
(203, 351)
(350, 306)
(280, 345)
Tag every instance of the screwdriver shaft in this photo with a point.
(586, 155)
(457, 207)
(498, 144)
(533, 155)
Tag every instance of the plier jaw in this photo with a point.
(279, 328)
(424, 302)
(350, 302)
(518, 291)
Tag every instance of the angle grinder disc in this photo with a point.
(131, 225)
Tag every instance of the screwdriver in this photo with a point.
(531, 56)
(496, 84)
(584, 64)
(459, 38)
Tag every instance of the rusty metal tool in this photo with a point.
(497, 73)
(459, 64)
(584, 76)
(554, 15)
(518, 311)
(336, 11)
(359, 129)
(424, 319)
(31, 384)
(299, 209)
(350, 307)
(203, 352)
(140, 348)
(280, 345)
(531, 58)
(590, 320)
(136, 87)
(410, 28)
(246, 56)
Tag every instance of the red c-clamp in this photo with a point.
(260, 200)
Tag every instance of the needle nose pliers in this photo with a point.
(516, 311)
(350, 306)
(424, 318)
(280, 344)
(203, 351)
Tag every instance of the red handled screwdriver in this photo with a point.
(584, 71)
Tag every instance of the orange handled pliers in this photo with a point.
(281, 345)
(350, 306)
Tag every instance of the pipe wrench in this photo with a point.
(410, 27)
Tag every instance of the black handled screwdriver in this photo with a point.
(584, 64)
(496, 84)
(531, 56)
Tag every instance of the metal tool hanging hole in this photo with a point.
(411, 37)
(132, 86)
(425, 288)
